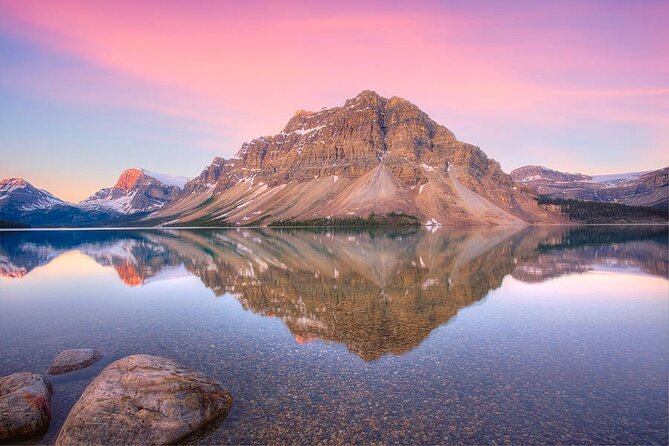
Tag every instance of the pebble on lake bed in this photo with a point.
(143, 399)
(25, 404)
(73, 359)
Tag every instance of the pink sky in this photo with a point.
(579, 86)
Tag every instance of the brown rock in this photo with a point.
(73, 359)
(143, 399)
(25, 404)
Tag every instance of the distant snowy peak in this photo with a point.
(8, 185)
(618, 178)
(528, 174)
(645, 188)
(136, 190)
(532, 174)
(19, 194)
(134, 177)
(166, 179)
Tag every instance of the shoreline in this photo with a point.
(163, 228)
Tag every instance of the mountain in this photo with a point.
(371, 160)
(137, 190)
(18, 195)
(648, 188)
(136, 193)
(371, 155)
(23, 204)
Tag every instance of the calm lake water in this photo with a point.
(488, 335)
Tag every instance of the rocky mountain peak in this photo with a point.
(345, 140)
(303, 113)
(376, 155)
(136, 190)
(8, 183)
(128, 179)
(366, 98)
(17, 194)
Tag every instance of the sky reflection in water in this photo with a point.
(459, 335)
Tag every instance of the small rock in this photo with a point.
(25, 404)
(74, 359)
(143, 399)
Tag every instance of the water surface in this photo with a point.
(488, 335)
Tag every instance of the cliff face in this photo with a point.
(638, 188)
(651, 189)
(370, 155)
(135, 191)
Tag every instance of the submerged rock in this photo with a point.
(143, 399)
(25, 404)
(73, 359)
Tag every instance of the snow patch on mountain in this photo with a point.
(618, 177)
(531, 178)
(106, 199)
(304, 131)
(9, 185)
(167, 179)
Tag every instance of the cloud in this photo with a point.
(239, 70)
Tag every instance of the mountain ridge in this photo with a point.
(370, 155)
(134, 194)
(136, 190)
(643, 188)
(24, 196)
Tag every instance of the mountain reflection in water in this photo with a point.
(376, 292)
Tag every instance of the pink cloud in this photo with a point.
(244, 71)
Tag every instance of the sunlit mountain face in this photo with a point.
(376, 292)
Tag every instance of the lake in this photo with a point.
(450, 335)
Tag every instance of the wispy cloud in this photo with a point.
(235, 70)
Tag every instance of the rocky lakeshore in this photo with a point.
(139, 399)
(25, 405)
